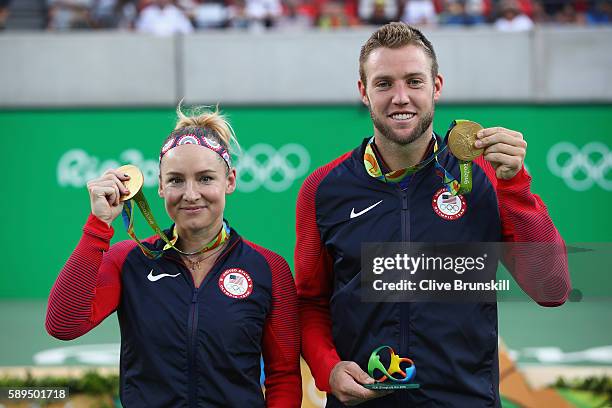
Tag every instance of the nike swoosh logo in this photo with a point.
(357, 214)
(155, 278)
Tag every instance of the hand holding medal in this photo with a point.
(107, 193)
(505, 149)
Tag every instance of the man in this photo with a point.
(163, 18)
(366, 196)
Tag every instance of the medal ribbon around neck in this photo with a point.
(219, 240)
(451, 184)
(375, 170)
(138, 197)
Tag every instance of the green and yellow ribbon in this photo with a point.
(128, 221)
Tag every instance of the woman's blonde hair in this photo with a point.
(212, 123)
(205, 118)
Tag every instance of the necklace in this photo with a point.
(194, 264)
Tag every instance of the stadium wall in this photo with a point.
(110, 69)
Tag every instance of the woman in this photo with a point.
(195, 318)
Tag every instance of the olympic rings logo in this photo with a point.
(580, 169)
(449, 207)
(276, 170)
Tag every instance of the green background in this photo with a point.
(42, 221)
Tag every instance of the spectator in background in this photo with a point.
(600, 13)
(4, 12)
(567, 14)
(334, 15)
(263, 13)
(455, 13)
(553, 7)
(108, 14)
(255, 15)
(69, 14)
(378, 12)
(511, 18)
(310, 8)
(103, 14)
(210, 14)
(295, 18)
(419, 12)
(525, 7)
(186, 5)
(539, 15)
(481, 8)
(238, 17)
(163, 18)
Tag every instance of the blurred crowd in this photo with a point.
(166, 17)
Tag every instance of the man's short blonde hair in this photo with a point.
(396, 35)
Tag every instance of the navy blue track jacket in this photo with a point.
(183, 346)
(454, 346)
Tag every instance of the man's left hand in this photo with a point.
(505, 149)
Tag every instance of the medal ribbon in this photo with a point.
(375, 170)
(141, 202)
(465, 170)
(453, 186)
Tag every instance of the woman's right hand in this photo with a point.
(105, 193)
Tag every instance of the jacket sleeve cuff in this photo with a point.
(520, 180)
(96, 228)
(325, 369)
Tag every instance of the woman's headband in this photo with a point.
(195, 135)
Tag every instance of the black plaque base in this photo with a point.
(391, 386)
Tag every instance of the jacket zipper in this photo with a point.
(405, 217)
(404, 306)
(192, 328)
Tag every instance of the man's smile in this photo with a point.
(402, 116)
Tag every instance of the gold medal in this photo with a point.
(135, 183)
(461, 140)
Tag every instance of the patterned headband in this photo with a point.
(197, 136)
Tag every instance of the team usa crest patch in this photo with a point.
(448, 206)
(236, 283)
